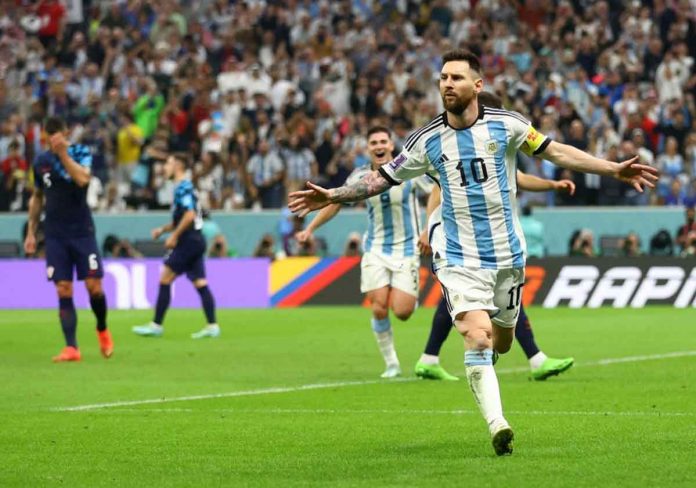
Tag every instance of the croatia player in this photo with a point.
(389, 270)
(61, 177)
(186, 253)
(478, 245)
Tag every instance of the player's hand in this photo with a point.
(156, 233)
(424, 244)
(171, 242)
(305, 201)
(30, 244)
(303, 236)
(564, 185)
(637, 175)
(59, 144)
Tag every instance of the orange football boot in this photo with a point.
(68, 353)
(106, 344)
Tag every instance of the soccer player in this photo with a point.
(428, 366)
(477, 242)
(186, 253)
(542, 367)
(389, 270)
(61, 177)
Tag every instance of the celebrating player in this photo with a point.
(428, 366)
(477, 241)
(186, 253)
(390, 264)
(61, 177)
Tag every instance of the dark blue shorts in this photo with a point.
(80, 253)
(188, 257)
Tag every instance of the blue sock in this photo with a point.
(479, 358)
(163, 299)
(439, 330)
(381, 325)
(208, 303)
(524, 335)
(68, 320)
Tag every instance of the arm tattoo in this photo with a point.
(366, 187)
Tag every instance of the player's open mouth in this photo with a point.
(380, 154)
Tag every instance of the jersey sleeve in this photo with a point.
(187, 199)
(525, 137)
(407, 165)
(81, 155)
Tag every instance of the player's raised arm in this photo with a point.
(630, 171)
(325, 214)
(305, 201)
(534, 183)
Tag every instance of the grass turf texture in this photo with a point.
(622, 424)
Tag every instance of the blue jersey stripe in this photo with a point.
(408, 225)
(455, 253)
(499, 133)
(370, 227)
(387, 224)
(477, 202)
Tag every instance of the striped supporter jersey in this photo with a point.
(476, 168)
(393, 217)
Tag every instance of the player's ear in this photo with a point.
(478, 84)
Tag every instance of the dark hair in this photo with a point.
(463, 55)
(53, 125)
(183, 158)
(376, 129)
(490, 100)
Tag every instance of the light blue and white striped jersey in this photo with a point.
(476, 167)
(393, 217)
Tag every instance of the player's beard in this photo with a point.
(456, 105)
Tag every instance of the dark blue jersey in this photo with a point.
(185, 199)
(67, 212)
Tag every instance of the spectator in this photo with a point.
(265, 174)
(147, 108)
(687, 232)
(630, 247)
(582, 244)
(661, 244)
(353, 245)
(266, 248)
(129, 140)
(300, 164)
(15, 172)
(119, 248)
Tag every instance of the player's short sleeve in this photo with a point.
(81, 155)
(407, 165)
(524, 137)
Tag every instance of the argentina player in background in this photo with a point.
(389, 269)
(186, 254)
(61, 178)
(476, 238)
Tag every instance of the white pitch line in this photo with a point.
(321, 411)
(340, 384)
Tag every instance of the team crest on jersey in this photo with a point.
(491, 146)
(49, 271)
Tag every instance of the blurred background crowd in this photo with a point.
(269, 94)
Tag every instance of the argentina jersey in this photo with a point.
(476, 225)
(393, 217)
(185, 199)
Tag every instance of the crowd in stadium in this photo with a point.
(268, 94)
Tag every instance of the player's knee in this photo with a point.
(379, 310)
(200, 283)
(503, 346)
(64, 289)
(477, 338)
(94, 287)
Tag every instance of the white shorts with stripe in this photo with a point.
(378, 271)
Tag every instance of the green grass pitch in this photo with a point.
(626, 422)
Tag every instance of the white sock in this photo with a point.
(429, 359)
(537, 360)
(385, 341)
(484, 384)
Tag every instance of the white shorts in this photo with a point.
(378, 271)
(498, 291)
